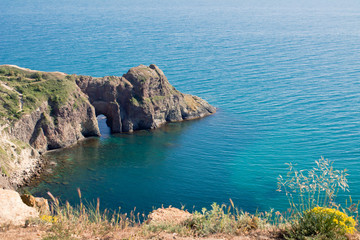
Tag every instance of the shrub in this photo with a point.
(313, 225)
(311, 196)
(224, 219)
(37, 76)
(341, 219)
(213, 221)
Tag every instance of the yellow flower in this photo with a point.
(49, 219)
(346, 222)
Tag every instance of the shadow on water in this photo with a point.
(191, 163)
(127, 170)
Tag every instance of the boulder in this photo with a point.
(169, 216)
(12, 209)
(40, 204)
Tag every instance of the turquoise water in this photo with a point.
(284, 76)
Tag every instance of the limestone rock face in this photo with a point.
(141, 99)
(13, 211)
(49, 127)
(52, 127)
(4, 183)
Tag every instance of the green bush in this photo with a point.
(223, 219)
(313, 225)
(213, 221)
(37, 76)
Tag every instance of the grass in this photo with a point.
(86, 220)
(20, 144)
(9, 104)
(142, 79)
(316, 187)
(4, 162)
(134, 102)
(23, 91)
(156, 98)
(27, 90)
(4, 171)
(223, 219)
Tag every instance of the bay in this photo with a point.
(284, 76)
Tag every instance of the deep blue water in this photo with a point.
(284, 75)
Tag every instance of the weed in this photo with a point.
(68, 221)
(311, 195)
(316, 187)
(223, 219)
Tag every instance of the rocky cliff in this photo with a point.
(142, 98)
(40, 111)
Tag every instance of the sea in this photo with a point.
(284, 76)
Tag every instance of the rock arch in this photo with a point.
(140, 99)
(112, 113)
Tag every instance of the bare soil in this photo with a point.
(39, 232)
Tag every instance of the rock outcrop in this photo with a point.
(141, 99)
(52, 126)
(40, 111)
(13, 211)
(40, 204)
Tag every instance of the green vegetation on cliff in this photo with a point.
(22, 90)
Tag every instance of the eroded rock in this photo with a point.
(52, 127)
(142, 98)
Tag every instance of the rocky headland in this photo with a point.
(41, 111)
(142, 98)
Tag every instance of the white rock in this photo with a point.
(13, 211)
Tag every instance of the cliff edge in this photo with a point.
(40, 111)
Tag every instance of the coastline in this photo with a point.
(53, 110)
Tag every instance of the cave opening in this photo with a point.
(105, 130)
